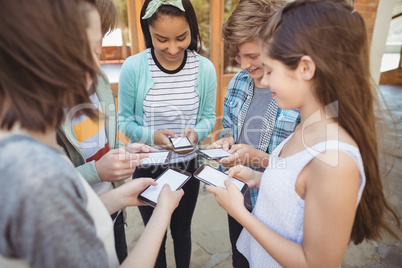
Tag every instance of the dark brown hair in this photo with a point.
(244, 23)
(334, 35)
(108, 15)
(45, 62)
(168, 10)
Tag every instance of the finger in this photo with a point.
(233, 171)
(145, 182)
(229, 185)
(151, 149)
(210, 189)
(186, 132)
(234, 148)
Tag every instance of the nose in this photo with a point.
(173, 48)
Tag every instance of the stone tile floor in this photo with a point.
(211, 246)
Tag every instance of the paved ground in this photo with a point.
(211, 246)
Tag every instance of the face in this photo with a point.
(94, 34)
(286, 86)
(249, 59)
(170, 37)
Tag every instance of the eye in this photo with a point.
(161, 41)
(181, 39)
(254, 57)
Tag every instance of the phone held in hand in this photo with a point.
(156, 159)
(176, 178)
(213, 154)
(214, 177)
(181, 144)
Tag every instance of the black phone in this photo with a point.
(156, 159)
(176, 178)
(181, 144)
(214, 177)
(213, 154)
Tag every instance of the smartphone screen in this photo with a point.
(156, 158)
(215, 177)
(214, 153)
(181, 144)
(175, 178)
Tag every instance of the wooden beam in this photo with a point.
(137, 39)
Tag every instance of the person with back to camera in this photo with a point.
(92, 146)
(322, 188)
(253, 125)
(50, 216)
(169, 90)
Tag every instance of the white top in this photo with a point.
(172, 102)
(279, 206)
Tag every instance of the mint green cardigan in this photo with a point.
(135, 82)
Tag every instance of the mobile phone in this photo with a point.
(176, 178)
(181, 144)
(213, 154)
(156, 158)
(214, 177)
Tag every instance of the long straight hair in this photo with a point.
(334, 36)
(168, 10)
(45, 61)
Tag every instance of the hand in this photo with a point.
(226, 143)
(230, 199)
(192, 136)
(160, 138)
(117, 165)
(251, 177)
(243, 154)
(140, 148)
(130, 191)
(168, 200)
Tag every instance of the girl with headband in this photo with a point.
(169, 90)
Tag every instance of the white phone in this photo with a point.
(213, 154)
(181, 144)
(176, 178)
(214, 177)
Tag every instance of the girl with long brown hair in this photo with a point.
(322, 188)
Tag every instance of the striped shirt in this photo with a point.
(91, 137)
(172, 102)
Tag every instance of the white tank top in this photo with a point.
(279, 206)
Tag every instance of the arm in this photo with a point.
(129, 123)
(125, 195)
(146, 250)
(207, 119)
(247, 155)
(330, 206)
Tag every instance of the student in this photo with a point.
(253, 125)
(91, 145)
(322, 188)
(50, 217)
(169, 90)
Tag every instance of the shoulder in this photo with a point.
(37, 170)
(239, 83)
(205, 63)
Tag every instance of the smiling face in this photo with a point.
(94, 34)
(170, 37)
(249, 59)
(287, 86)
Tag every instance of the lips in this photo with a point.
(252, 70)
